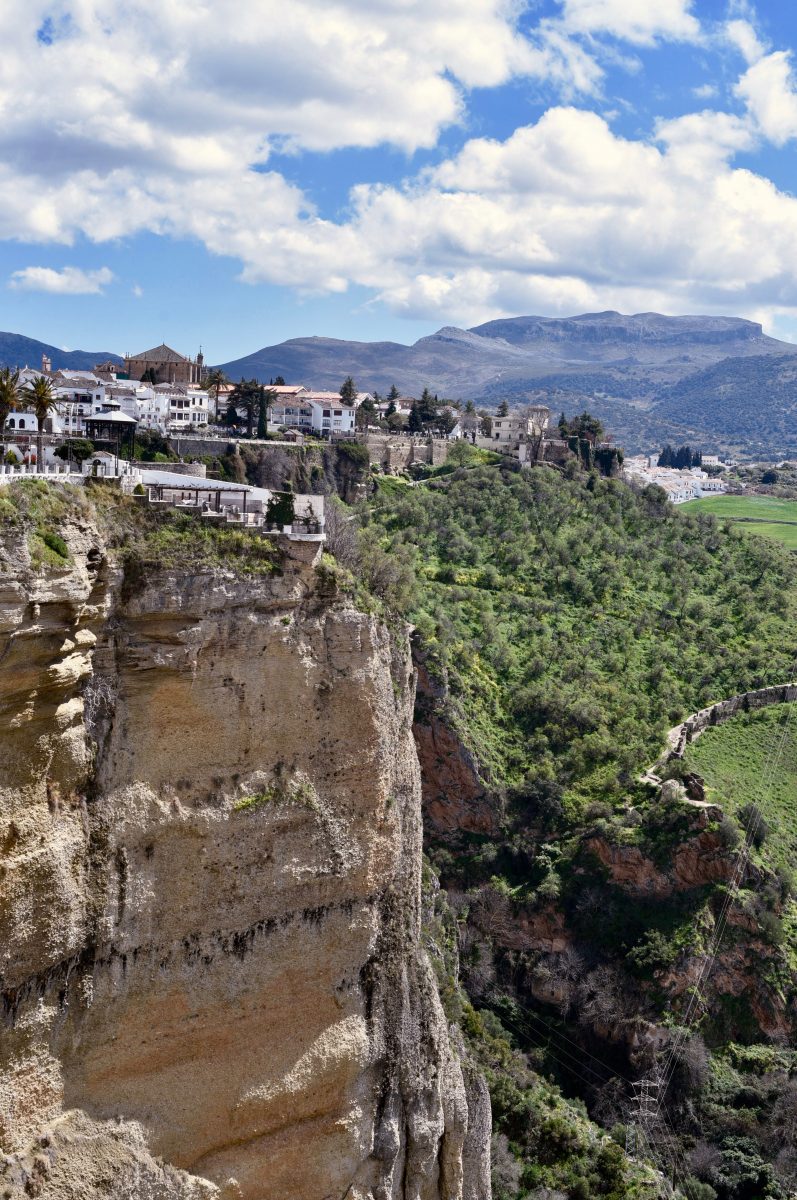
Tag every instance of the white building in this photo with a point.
(322, 413)
(680, 485)
(518, 426)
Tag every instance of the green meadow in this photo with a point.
(753, 758)
(766, 516)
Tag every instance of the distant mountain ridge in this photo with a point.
(634, 371)
(19, 351)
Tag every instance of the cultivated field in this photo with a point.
(767, 516)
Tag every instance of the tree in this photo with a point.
(150, 376)
(39, 396)
(365, 414)
(348, 391)
(503, 409)
(391, 408)
(246, 398)
(214, 382)
(75, 450)
(427, 408)
(415, 423)
(393, 394)
(9, 395)
(582, 426)
(444, 421)
(279, 381)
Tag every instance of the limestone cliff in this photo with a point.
(210, 848)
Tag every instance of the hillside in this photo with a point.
(19, 351)
(750, 400)
(718, 382)
(562, 626)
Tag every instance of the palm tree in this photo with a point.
(247, 397)
(39, 395)
(214, 382)
(9, 395)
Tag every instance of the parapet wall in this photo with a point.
(395, 454)
(716, 714)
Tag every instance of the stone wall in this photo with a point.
(716, 714)
(396, 453)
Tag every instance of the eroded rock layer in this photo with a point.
(210, 849)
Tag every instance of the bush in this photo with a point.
(56, 543)
(755, 824)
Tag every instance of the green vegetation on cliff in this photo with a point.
(569, 621)
(574, 620)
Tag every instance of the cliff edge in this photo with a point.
(210, 848)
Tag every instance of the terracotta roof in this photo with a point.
(159, 354)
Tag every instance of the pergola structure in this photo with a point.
(112, 428)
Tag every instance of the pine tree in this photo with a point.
(415, 424)
(348, 391)
(427, 408)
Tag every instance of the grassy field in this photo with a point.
(785, 534)
(753, 757)
(758, 508)
(761, 514)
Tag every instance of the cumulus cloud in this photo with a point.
(70, 281)
(769, 90)
(175, 85)
(161, 115)
(741, 33)
(639, 21)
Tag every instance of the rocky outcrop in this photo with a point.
(454, 796)
(213, 983)
(700, 858)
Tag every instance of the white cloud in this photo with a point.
(639, 21)
(741, 33)
(172, 135)
(566, 216)
(176, 86)
(70, 281)
(706, 91)
(769, 90)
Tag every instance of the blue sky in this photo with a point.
(374, 169)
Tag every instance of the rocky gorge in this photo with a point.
(211, 965)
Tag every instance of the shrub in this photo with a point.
(56, 543)
(758, 829)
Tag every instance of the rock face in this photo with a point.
(210, 849)
(454, 795)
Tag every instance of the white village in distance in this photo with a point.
(163, 392)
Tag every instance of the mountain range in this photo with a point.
(19, 351)
(717, 382)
